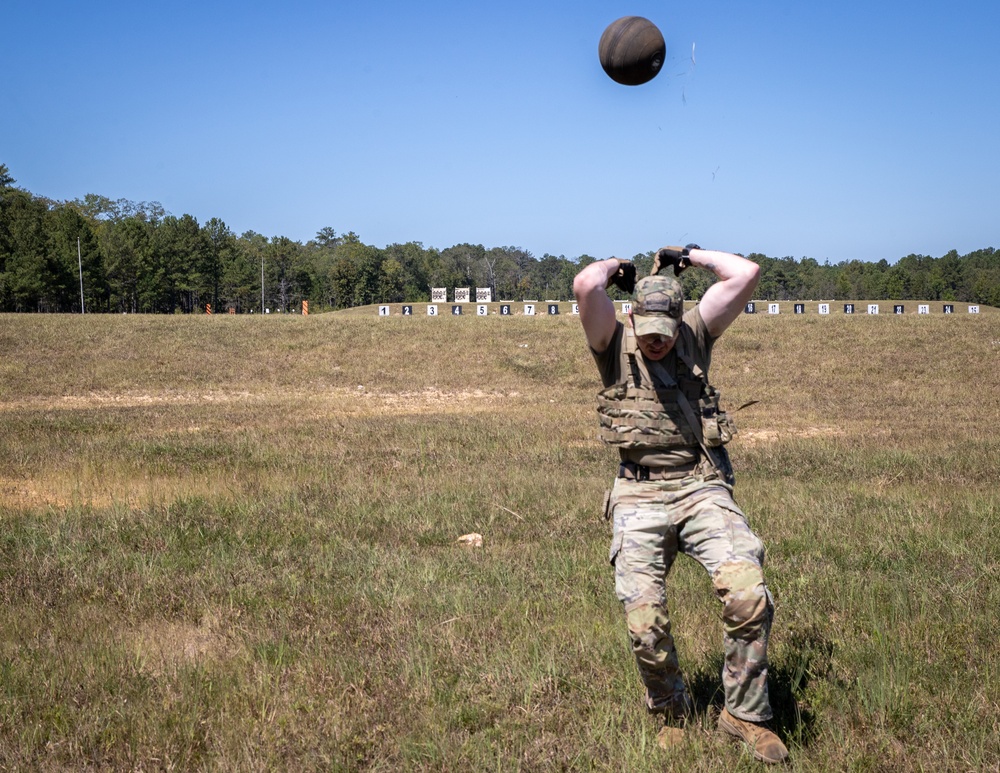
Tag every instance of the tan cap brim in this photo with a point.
(654, 325)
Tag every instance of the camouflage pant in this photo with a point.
(653, 520)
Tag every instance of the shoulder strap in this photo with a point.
(631, 368)
(682, 352)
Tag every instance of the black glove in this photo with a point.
(673, 256)
(624, 277)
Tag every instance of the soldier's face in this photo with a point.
(654, 347)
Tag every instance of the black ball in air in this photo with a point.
(632, 50)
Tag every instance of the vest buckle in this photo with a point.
(633, 471)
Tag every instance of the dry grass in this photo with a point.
(229, 543)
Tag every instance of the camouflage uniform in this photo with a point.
(653, 520)
(686, 506)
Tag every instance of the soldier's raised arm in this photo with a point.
(597, 310)
(725, 300)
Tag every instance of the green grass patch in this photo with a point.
(231, 544)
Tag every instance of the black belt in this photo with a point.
(640, 472)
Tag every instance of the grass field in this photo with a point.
(230, 543)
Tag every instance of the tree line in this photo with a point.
(136, 257)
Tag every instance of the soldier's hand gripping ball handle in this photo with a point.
(624, 277)
(678, 257)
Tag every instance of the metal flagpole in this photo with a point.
(79, 261)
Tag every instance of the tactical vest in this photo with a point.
(645, 411)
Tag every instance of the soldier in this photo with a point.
(674, 486)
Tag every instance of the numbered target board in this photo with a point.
(484, 307)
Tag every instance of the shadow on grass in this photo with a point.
(793, 721)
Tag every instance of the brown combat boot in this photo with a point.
(764, 745)
(675, 718)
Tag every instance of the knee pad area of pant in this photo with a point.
(740, 586)
(648, 625)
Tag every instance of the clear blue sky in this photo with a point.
(834, 131)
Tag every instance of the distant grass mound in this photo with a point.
(231, 543)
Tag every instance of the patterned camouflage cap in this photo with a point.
(657, 305)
